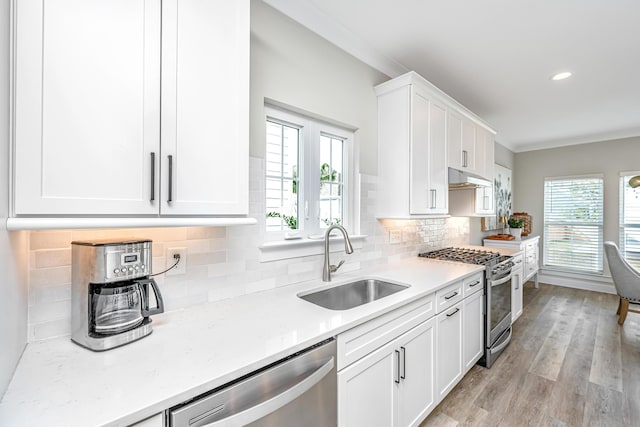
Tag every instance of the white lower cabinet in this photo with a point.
(394, 369)
(392, 386)
(449, 349)
(417, 374)
(517, 276)
(472, 330)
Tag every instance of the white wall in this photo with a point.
(606, 157)
(13, 289)
(294, 66)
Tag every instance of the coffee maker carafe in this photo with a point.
(111, 293)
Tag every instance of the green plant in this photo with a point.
(290, 220)
(327, 222)
(327, 174)
(516, 223)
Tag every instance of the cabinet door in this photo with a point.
(368, 390)
(489, 155)
(87, 106)
(516, 293)
(531, 259)
(454, 140)
(205, 107)
(468, 146)
(438, 172)
(449, 350)
(473, 330)
(421, 196)
(429, 175)
(485, 201)
(417, 373)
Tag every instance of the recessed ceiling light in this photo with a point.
(561, 76)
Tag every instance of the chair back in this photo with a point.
(625, 278)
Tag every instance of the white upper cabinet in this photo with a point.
(96, 121)
(421, 133)
(205, 109)
(412, 154)
(428, 155)
(470, 146)
(87, 106)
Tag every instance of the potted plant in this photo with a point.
(515, 227)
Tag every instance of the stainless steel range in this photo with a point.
(497, 292)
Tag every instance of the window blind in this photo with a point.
(630, 220)
(573, 223)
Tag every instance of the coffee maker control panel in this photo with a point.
(127, 261)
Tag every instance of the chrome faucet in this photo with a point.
(348, 248)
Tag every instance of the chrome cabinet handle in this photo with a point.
(404, 363)
(453, 312)
(153, 177)
(397, 378)
(464, 158)
(433, 198)
(476, 283)
(170, 193)
(451, 296)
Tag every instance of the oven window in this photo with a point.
(500, 303)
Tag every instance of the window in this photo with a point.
(630, 220)
(307, 173)
(573, 220)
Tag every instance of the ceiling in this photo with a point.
(496, 57)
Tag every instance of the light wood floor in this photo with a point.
(569, 364)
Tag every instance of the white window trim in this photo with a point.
(277, 244)
(621, 225)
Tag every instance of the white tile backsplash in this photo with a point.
(223, 262)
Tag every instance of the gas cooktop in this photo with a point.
(466, 255)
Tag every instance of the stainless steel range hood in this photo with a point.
(459, 180)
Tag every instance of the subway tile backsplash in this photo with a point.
(222, 262)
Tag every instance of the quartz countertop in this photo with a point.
(191, 351)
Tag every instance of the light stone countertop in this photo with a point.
(58, 383)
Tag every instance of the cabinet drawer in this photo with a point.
(448, 296)
(473, 284)
(531, 248)
(363, 339)
(517, 261)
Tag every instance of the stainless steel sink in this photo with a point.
(352, 294)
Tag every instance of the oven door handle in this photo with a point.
(503, 344)
(268, 406)
(501, 281)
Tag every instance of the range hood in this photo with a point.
(459, 180)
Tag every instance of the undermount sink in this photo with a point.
(352, 294)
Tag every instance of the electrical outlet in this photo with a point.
(181, 267)
(395, 236)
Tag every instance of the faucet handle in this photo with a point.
(335, 268)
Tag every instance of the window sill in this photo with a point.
(286, 249)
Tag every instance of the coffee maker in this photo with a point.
(111, 298)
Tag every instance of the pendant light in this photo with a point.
(634, 181)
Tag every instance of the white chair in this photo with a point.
(625, 278)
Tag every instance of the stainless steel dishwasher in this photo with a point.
(300, 390)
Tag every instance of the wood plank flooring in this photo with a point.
(569, 364)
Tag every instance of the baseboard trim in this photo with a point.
(568, 280)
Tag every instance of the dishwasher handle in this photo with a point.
(268, 406)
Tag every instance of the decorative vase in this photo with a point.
(516, 232)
